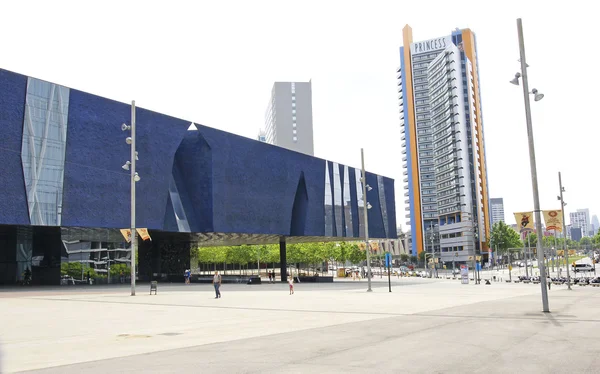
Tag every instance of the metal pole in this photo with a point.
(366, 217)
(534, 181)
(133, 233)
(389, 265)
(554, 251)
(527, 256)
(566, 251)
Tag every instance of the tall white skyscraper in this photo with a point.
(288, 119)
(581, 219)
(595, 224)
(497, 207)
(446, 189)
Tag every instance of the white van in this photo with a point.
(583, 267)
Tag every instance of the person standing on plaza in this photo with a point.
(217, 284)
(291, 283)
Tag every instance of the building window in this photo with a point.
(293, 105)
(293, 111)
(294, 131)
(295, 139)
(294, 118)
(294, 124)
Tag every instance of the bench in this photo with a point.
(153, 287)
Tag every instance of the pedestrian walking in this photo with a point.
(217, 284)
(291, 283)
(270, 276)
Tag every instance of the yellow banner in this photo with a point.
(126, 234)
(524, 221)
(560, 252)
(143, 233)
(553, 219)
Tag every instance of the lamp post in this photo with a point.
(534, 182)
(367, 206)
(565, 249)
(130, 165)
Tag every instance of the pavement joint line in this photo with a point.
(542, 316)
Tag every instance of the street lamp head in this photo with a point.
(136, 177)
(369, 188)
(536, 95)
(515, 80)
(369, 206)
(136, 156)
(126, 166)
(124, 127)
(128, 140)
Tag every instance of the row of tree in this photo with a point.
(504, 237)
(309, 254)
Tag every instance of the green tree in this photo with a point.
(530, 240)
(212, 255)
(404, 257)
(356, 255)
(504, 237)
(413, 259)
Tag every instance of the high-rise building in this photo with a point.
(262, 136)
(444, 163)
(595, 224)
(497, 208)
(581, 219)
(288, 120)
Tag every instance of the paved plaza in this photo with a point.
(423, 326)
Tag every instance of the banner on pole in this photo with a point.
(143, 233)
(524, 221)
(553, 219)
(126, 234)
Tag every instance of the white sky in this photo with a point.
(214, 63)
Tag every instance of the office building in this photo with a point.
(288, 119)
(444, 162)
(595, 224)
(497, 208)
(581, 219)
(65, 196)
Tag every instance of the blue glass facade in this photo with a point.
(61, 156)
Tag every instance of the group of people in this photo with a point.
(217, 280)
(271, 276)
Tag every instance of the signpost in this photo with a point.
(388, 263)
(464, 274)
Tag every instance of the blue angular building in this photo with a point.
(64, 195)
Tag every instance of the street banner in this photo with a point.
(126, 234)
(553, 219)
(524, 221)
(143, 233)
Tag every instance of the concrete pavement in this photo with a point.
(423, 326)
